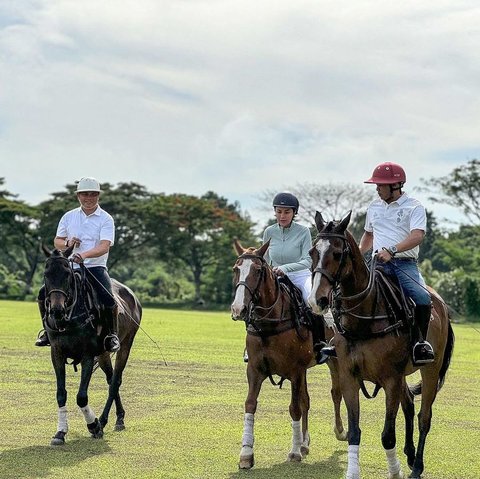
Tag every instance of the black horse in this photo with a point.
(76, 333)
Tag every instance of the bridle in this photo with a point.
(252, 307)
(70, 301)
(334, 280)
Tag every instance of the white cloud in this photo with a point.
(234, 97)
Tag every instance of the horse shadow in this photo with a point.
(330, 468)
(38, 461)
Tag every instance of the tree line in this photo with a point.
(177, 248)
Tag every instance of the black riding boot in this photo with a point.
(42, 339)
(318, 334)
(422, 351)
(111, 341)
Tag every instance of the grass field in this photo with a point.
(184, 420)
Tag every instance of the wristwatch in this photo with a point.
(392, 250)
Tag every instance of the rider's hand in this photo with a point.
(77, 258)
(278, 271)
(384, 256)
(74, 241)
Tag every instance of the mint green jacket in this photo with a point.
(289, 247)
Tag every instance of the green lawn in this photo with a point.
(184, 420)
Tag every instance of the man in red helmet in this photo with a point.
(394, 227)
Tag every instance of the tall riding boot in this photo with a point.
(422, 351)
(111, 341)
(318, 334)
(42, 339)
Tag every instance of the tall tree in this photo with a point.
(460, 189)
(18, 236)
(199, 232)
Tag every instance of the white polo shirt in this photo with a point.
(392, 223)
(90, 230)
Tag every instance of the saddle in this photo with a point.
(398, 305)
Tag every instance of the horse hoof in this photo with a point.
(294, 457)
(246, 462)
(340, 435)
(304, 450)
(397, 475)
(95, 429)
(119, 427)
(58, 439)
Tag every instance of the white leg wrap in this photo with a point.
(247, 439)
(297, 436)
(88, 414)
(62, 419)
(392, 460)
(353, 470)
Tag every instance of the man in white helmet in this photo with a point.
(92, 231)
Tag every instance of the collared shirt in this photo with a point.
(288, 247)
(392, 223)
(90, 230)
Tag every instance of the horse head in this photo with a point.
(331, 261)
(59, 285)
(248, 272)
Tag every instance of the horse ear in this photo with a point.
(68, 251)
(319, 221)
(46, 251)
(239, 249)
(342, 226)
(263, 249)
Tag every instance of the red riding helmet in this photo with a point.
(388, 174)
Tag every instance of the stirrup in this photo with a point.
(423, 353)
(320, 355)
(245, 356)
(111, 343)
(42, 339)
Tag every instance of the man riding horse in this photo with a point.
(394, 227)
(91, 231)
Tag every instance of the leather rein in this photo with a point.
(338, 299)
(257, 320)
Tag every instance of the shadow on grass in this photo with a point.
(330, 468)
(37, 461)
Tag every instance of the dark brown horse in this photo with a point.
(278, 343)
(75, 333)
(374, 345)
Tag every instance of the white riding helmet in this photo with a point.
(88, 184)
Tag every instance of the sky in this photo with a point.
(235, 97)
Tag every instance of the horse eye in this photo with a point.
(337, 256)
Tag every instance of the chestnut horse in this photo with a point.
(278, 343)
(75, 333)
(374, 345)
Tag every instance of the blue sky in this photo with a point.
(235, 97)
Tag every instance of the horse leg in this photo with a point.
(351, 396)
(408, 408)
(255, 380)
(93, 424)
(105, 364)
(298, 385)
(336, 393)
(429, 392)
(114, 388)
(389, 441)
(305, 404)
(62, 427)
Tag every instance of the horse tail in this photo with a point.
(416, 389)
(447, 356)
